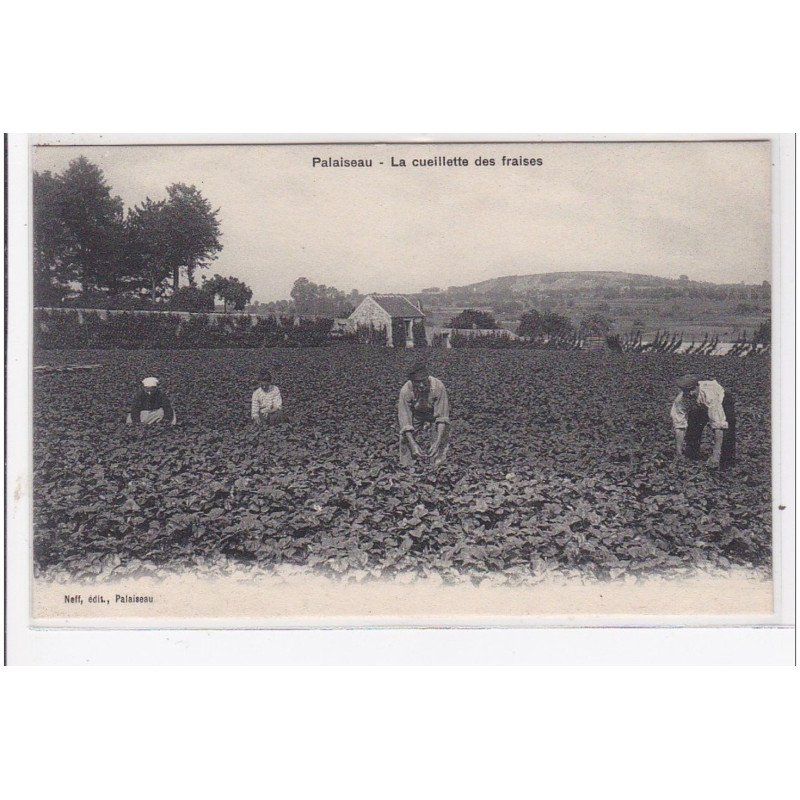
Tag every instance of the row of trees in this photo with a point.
(312, 300)
(317, 299)
(535, 324)
(471, 318)
(585, 295)
(231, 291)
(85, 243)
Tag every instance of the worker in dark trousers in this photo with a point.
(698, 404)
(151, 405)
(423, 410)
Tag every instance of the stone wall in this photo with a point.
(370, 313)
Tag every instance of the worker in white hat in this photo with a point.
(700, 403)
(266, 406)
(151, 405)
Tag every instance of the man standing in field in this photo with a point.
(423, 409)
(698, 404)
(151, 405)
(266, 407)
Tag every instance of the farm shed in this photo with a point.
(394, 313)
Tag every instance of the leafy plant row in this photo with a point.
(665, 342)
(559, 463)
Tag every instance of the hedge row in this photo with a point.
(493, 340)
(58, 330)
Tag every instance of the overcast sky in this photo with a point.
(700, 209)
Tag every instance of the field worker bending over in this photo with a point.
(151, 405)
(266, 407)
(698, 404)
(423, 408)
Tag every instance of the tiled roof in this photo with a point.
(395, 305)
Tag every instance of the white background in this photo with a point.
(378, 733)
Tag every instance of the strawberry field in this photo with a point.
(560, 462)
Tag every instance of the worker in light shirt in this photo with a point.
(266, 407)
(151, 405)
(423, 410)
(698, 404)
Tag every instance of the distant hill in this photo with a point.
(566, 281)
(629, 301)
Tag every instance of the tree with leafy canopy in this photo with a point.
(763, 334)
(191, 298)
(50, 278)
(319, 299)
(239, 294)
(284, 307)
(303, 295)
(229, 290)
(595, 325)
(216, 287)
(78, 228)
(147, 238)
(472, 318)
(537, 325)
(531, 324)
(193, 231)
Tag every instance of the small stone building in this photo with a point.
(393, 313)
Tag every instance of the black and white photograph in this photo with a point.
(443, 381)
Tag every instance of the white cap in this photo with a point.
(149, 383)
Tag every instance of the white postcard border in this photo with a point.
(29, 645)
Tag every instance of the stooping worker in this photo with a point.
(698, 404)
(423, 409)
(266, 407)
(151, 405)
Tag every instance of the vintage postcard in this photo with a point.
(404, 383)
